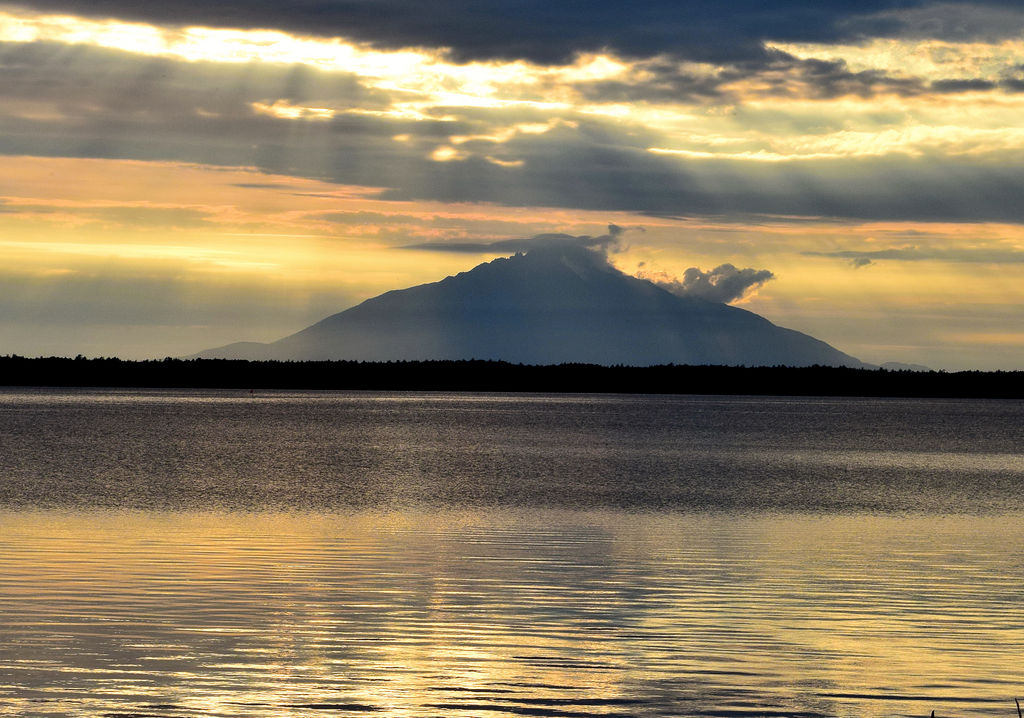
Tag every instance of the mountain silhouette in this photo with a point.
(553, 304)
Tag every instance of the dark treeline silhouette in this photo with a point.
(498, 376)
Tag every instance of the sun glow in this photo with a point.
(417, 71)
(287, 111)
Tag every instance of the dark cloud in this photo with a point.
(603, 243)
(777, 75)
(81, 102)
(567, 170)
(89, 102)
(963, 85)
(82, 81)
(546, 31)
(725, 283)
(417, 228)
(824, 80)
(918, 254)
(592, 166)
(991, 20)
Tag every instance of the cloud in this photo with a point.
(543, 31)
(776, 75)
(918, 254)
(854, 161)
(725, 283)
(573, 170)
(602, 243)
(954, 21)
(135, 80)
(200, 114)
(963, 85)
(532, 29)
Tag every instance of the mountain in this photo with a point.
(551, 305)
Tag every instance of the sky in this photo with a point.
(178, 175)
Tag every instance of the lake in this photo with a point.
(176, 553)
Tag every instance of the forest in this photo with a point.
(499, 376)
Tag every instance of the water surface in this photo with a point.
(215, 554)
(327, 451)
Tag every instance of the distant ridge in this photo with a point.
(902, 366)
(554, 304)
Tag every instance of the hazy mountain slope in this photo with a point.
(551, 305)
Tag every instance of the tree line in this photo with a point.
(500, 376)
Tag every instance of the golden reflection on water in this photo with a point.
(542, 613)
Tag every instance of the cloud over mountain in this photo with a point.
(725, 283)
(549, 241)
(602, 242)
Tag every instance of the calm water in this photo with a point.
(214, 554)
